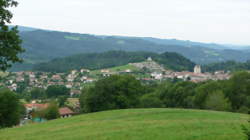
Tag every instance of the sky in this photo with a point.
(218, 21)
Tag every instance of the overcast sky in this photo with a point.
(221, 21)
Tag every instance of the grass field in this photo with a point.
(136, 124)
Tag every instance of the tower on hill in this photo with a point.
(197, 69)
(150, 59)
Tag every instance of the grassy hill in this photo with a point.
(136, 124)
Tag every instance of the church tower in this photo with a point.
(197, 69)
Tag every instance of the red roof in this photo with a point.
(65, 111)
(39, 106)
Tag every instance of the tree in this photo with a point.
(52, 112)
(57, 90)
(203, 91)
(49, 113)
(37, 93)
(238, 89)
(10, 42)
(217, 101)
(61, 100)
(115, 92)
(151, 100)
(10, 108)
(179, 94)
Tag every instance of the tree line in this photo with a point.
(227, 66)
(121, 92)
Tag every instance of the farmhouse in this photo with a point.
(65, 112)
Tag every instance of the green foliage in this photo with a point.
(10, 108)
(228, 95)
(179, 94)
(57, 90)
(203, 91)
(246, 130)
(114, 58)
(115, 92)
(227, 66)
(238, 89)
(217, 101)
(151, 100)
(50, 113)
(37, 93)
(10, 42)
(61, 100)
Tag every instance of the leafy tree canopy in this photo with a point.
(10, 42)
(57, 90)
(10, 108)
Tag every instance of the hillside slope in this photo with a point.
(109, 59)
(42, 46)
(136, 124)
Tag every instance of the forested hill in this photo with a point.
(227, 66)
(109, 59)
(43, 46)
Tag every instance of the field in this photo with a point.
(136, 124)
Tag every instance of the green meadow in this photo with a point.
(136, 124)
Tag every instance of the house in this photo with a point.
(73, 72)
(56, 77)
(84, 78)
(13, 87)
(84, 70)
(34, 106)
(157, 76)
(128, 70)
(71, 78)
(65, 112)
(89, 80)
(105, 71)
(75, 92)
(69, 85)
(19, 79)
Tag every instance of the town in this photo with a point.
(75, 80)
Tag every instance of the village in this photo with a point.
(75, 80)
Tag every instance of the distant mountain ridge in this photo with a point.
(24, 28)
(43, 46)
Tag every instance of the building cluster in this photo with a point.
(195, 76)
(157, 72)
(76, 79)
(28, 79)
(33, 107)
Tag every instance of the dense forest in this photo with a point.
(109, 59)
(227, 66)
